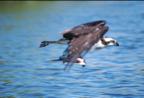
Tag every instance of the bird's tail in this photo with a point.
(54, 60)
(46, 43)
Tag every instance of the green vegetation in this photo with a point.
(18, 6)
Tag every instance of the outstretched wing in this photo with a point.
(80, 45)
(82, 29)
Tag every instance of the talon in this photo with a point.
(83, 65)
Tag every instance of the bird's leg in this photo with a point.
(62, 41)
(46, 43)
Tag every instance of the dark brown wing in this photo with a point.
(83, 29)
(79, 46)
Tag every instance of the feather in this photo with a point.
(82, 39)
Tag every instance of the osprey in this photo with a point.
(81, 39)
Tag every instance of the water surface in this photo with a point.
(27, 72)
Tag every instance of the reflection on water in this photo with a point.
(26, 70)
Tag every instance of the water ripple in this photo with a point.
(26, 71)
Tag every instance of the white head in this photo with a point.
(81, 62)
(109, 41)
(104, 42)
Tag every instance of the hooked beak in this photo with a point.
(116, 44)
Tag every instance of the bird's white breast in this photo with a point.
(98, 45)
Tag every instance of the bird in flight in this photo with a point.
(81, 39)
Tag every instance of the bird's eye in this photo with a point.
(113, 41)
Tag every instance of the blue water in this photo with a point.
(27, 72)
